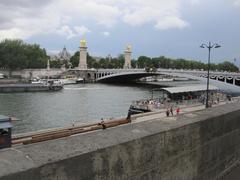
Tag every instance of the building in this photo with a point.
(63, 55)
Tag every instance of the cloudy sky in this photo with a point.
(173, 28)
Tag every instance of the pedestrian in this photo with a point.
(171, 110)
(167, 112)
(178, 110)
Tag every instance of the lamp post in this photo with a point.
(209, 47)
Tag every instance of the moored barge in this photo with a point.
(7, 88)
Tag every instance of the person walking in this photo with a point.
(178, 110)
(167, 112)
(171, 110)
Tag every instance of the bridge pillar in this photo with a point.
(127, 55)
(48, 64)
(83, 55)
(234, 81)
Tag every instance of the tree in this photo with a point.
(15, 54)
(55, 64)
(144, 62)
(227, 66)
(75, 59)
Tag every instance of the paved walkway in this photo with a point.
(161, 114)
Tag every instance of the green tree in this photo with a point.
(15, 54)
(144, 62)
(228, 66)
(55, 64)
(75, 59)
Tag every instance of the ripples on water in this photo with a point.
(82, 103)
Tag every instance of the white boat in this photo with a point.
(164, 79)
(1, 76)
(149, 79)
(68, 81)
(80, 80)
(181, 79)
(39, 81)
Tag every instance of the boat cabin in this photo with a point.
(185, 95)
(5, 132)
(187, 92)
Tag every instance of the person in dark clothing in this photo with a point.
(167, 112)
(171, 110)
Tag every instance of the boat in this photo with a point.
(165, 79)
(7, 88)
(46, 81)
(39, 81)
(1, 76)
(68, 81)
(181, 79)
(178, 96)
(80, 80)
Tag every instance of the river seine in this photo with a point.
(81, 103)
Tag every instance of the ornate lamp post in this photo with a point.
(209, 46)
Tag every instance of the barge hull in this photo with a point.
(8, 88)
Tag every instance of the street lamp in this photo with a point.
(209, 46)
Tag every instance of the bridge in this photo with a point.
(125, 75)
(122, 75)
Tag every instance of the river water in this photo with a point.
(81, 103)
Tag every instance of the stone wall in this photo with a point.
(200, 145)
(32, 73)
(88, 75)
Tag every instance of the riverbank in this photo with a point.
(197, 145)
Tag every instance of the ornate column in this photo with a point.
(48, 65)
(83, 55)
(127, 55)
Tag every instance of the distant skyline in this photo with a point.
(173, 28)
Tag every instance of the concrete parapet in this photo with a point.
(200, 145)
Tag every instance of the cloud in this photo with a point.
(194, 2)
(171, 22)
(81, 30)
(164, 14)
(24, 19)
(69, 32)
(105, 33)
(103, 12)
(237, 3)
(19, 21)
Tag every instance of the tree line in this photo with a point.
(153, 63)
(16, 54)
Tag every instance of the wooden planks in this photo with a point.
(65, 132)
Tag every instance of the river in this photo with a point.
(81, 103)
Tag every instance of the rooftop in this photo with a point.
(174, 90)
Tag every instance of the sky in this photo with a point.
(171, 28)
